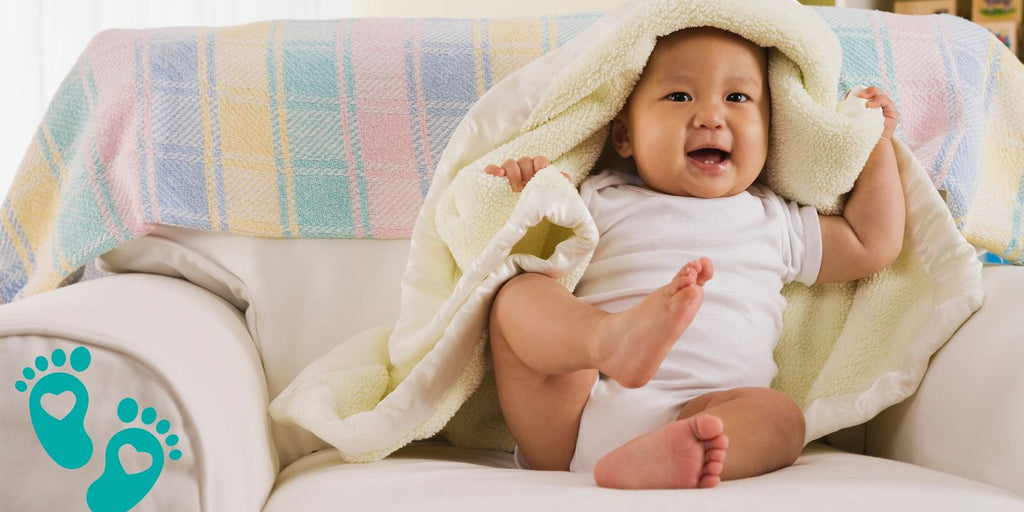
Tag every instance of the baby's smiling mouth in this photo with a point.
(709, 156)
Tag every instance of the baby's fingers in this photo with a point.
(514, 174)
(882, 101)
(527, 168)
(870, 92)
(518, 172)
(540, 162)
(876, 97)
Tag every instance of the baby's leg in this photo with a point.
(542, 410)
(762, 430)
(548, 347)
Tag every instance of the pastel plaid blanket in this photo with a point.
(332, 128)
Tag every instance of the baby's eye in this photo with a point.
(737, 97)
(679, 96)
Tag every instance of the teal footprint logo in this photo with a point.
(60, 432)
(134, 457)
(120, 488)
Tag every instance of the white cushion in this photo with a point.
(301, 297)
(439, 477)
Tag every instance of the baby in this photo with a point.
(652, 372)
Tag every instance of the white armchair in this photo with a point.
(189, 334)
(203, 353)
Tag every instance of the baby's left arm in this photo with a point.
(869, 234)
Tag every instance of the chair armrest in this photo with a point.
(967, 416)
(146, 333)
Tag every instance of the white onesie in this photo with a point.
(756, 241)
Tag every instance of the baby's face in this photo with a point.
(697, 122)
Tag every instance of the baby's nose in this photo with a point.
(710, 116)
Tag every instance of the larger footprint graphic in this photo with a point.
(119, 488)
(63, 436)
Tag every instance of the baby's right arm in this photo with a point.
(868, 236)
(519, 172)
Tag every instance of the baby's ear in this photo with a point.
(620, 138)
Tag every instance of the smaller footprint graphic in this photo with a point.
(119, 489)
(64, 438)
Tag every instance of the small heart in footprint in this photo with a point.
(58, 405)
(133, 461)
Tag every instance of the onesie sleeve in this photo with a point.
(805, 243)
(800, 233)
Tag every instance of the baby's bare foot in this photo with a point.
(630, 345)
(684, 454)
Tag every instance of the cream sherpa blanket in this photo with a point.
(847, 351)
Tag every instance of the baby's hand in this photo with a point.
(877, 98)
(519, 172)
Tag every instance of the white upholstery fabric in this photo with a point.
(968, 413)
(151, 327)
(425, 477)
(284, 311)
(300, 297)
(167, 344)
(109, 378)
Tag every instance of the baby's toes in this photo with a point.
(710, 429)
(686, 300)
(714, 455)
(714, 468)
(705, 270)
(708, 481)
(719, 442)
(685, 277)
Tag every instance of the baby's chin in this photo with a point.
(701, 192)
(717, 194)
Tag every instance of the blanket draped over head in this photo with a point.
(847, 351)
